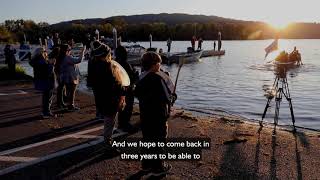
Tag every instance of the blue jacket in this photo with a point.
(44, 76)
(69, 70)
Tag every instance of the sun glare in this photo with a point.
(278, 24)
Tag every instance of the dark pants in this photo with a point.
(169, 48)
(98, 103)
(71, 93)
(154, 130)
(47, 97)
(61, 94)
(125, 115)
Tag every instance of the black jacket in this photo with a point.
(153, 101)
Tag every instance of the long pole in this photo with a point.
(181, 61)
(176, 82)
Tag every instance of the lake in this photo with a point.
(235, 83)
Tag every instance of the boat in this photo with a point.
(188, 57)
(208, 53)
(135, 52)
(76, 50)
(284, 58)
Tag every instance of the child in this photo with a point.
(154, 91)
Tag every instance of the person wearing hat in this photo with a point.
(108, 86)
(70, 73)
(44, 79)
(154, 91)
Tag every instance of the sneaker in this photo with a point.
(162, 171)
(73, 108)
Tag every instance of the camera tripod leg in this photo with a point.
(277, 108)
(288, 97)
(291, 111)
(265, 110)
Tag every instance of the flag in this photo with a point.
(272, 47)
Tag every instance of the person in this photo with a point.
(169, 44)
(44, 79)
(10, 58)
(61, 89)
(50, 43)
(70, 73)
(71, 42)
(295, 56)
(56, 40)
(200, 41)
(219, 41)
(154, 91)
(282, 57)
(125, 115)
(193, 42)
(107, 87)
(214, 45)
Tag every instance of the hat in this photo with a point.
(99, 49)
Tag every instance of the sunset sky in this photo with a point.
(276, 12)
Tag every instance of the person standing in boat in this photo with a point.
(169, 44)
(154, 91)
(219, 41)
(200, 41)
(193, 42)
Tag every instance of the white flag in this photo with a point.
(272, 47)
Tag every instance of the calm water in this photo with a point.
(235, 83)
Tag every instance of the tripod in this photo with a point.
(281, 87)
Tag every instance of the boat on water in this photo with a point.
(294, 58)
(135, 52)
(208, 53)
(188, 57)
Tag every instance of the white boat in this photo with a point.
(134, 53)
(207, 53)
(188, 57)
(76, 50)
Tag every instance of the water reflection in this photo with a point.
(233, 83)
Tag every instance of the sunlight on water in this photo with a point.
(239, 82)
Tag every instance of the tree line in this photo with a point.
(16, 30)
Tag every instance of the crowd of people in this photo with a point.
(113, 95)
